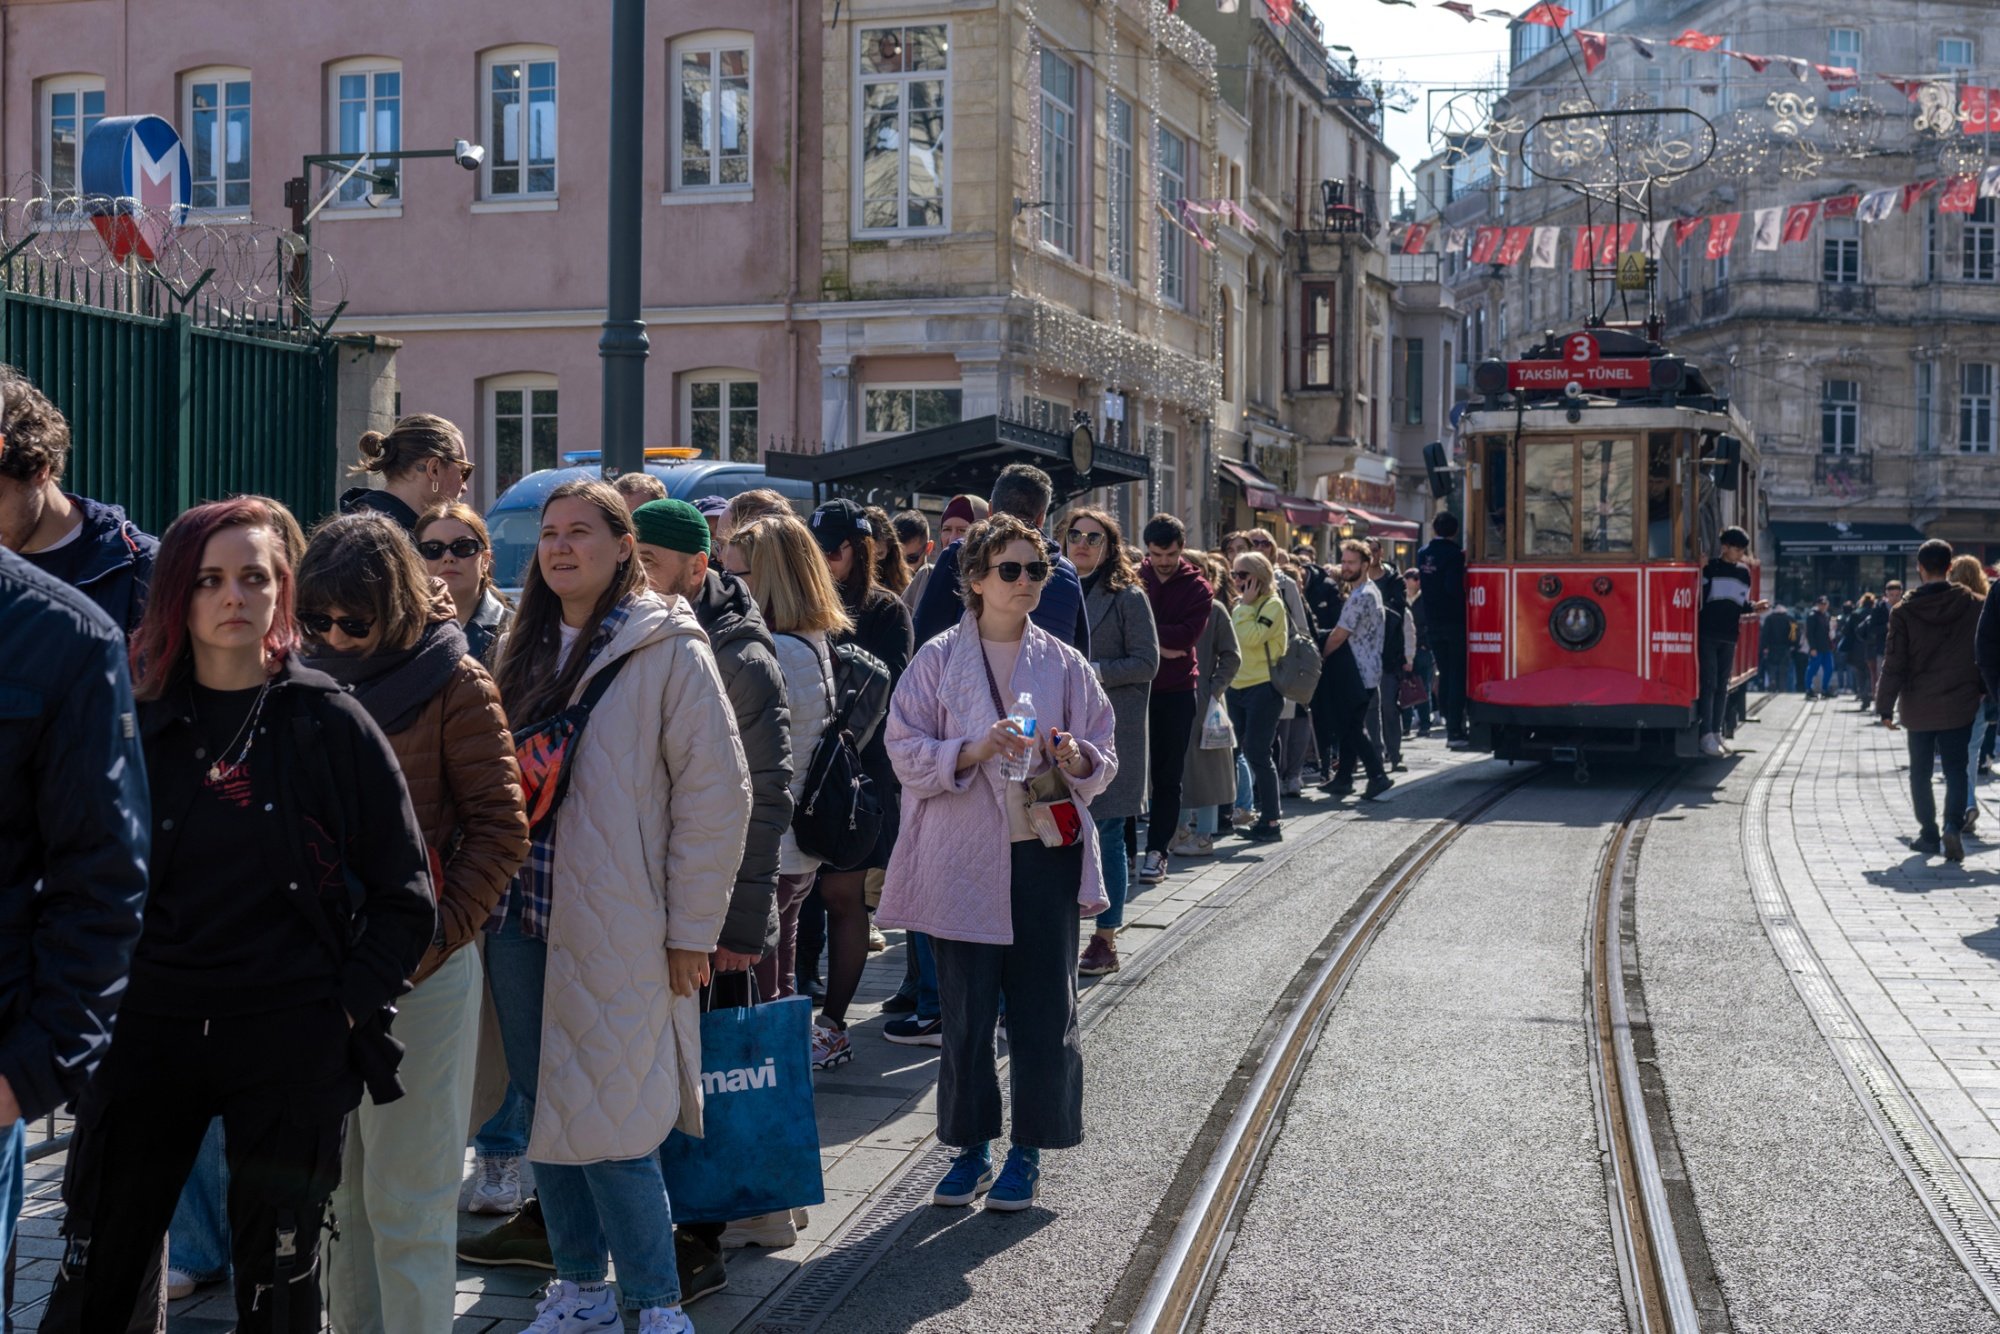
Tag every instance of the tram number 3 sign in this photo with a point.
(1581, 364)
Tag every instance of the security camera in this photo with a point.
(468, 154)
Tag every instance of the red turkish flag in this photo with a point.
(1547, 15)
(1697, 41)
(1722, 233)
(1484, 242)
(1916, 190)
(1979, 109)
(1687, 227)
(1593, 45)
(1758, 63)
(1961, 196)
(1413, 239)
(1839, 78)
(1799, 221)
(1515, 246)
(1460, 8)
(1841, 206)
(1907, 87)
(1280, 11)
(1584, 252)
(1622, 242)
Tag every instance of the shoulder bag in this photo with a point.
(1052, 812)
(545, 750)
(838, 818)
(1296, 673)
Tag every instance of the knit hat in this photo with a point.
(969, 508)
(672, 524)
(837, 521)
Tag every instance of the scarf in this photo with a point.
(394, 687)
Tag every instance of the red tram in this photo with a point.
(1600, 471)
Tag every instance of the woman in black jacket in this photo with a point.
(882, 627)
(289, 899)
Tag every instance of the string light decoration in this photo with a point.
(1744, 144)
(1799, 159)
(1937, 109)
(1961, 155)
(1853, 129)
(1792, 113)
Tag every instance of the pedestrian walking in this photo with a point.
(1398, 648)
(1353, 673)
(1852, 645)
(1725, 601)
(1262, 634)
(289, 900)
(1209, 787)
(1819, 651)
(999, 901)
(421, 464)
(1127, 649)
(1025, 492)
(1295, 738)
(603, 941)
(83, 542)
(456, 547)
(1180, 597)
(1441, 572)
(375, 625)
(881, 627)
(1878, 636)
(1931, 670)
(1421, 680)
(75, 836)
(1775, 633)
(1969, 574)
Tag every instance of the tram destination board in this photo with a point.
(1581, 364)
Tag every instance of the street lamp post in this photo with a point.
(622, 347)
(298, 198)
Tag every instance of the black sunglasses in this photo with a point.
(913, 559)
(1088, 539)
(318, 623)
(1010, 571)
(465, 548)
(1242, 577)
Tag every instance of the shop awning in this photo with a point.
(1259, 491)
(1846, 539)
(1387, 526)
(947, 460)
(1305, 512)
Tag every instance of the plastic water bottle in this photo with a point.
(1012, 769)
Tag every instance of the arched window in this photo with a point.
(70, 105)
(719, 414)
(518, 427)
(518, 113)
(710, 112)
(215, 123)
(364, 114)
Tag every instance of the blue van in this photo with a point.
(515, 519)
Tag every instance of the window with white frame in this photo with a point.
(1119, 184)
(71, 104)
(1926, 409)
(215, 116)
(366, 114)
(1059, 166)
(1839, 416)
(1843, 48)
(520, 427)
(520, 121)
(1956, 55)
(1171, 156)
(721, 414)
(1840, 251)
(1975, 407)
(1979, 245)
(711, 131)
(902, 158)
(895, 409)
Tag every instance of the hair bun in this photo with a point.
(371, 445)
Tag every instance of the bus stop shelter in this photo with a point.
(962, 458)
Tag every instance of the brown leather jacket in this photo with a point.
(458, 760)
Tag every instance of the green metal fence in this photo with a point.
(173, 400)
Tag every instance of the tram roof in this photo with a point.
(1602, 414)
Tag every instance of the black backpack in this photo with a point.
(1392, 640)
(838, 818)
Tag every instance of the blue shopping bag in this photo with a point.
(760, 1152)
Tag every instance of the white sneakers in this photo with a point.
(180, 1284)
(568, 1309)
(1711, 745)
(495, 1186)
(1152, 868)
(665, 1320)
(1187, 843)
(773, 1231)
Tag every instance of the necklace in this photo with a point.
(223, 769)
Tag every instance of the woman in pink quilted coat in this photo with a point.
(1001, 907)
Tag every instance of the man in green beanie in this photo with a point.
(673, 546)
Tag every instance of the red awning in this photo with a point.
(1305, 512)
(1387, 526)
(1259, 491)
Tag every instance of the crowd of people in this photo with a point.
(368, 862)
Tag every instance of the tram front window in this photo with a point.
(1660, 543)
(1548, 498)
(1493, 503)
(1606, 489)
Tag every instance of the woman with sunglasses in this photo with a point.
(374, 623)
(604, 938)
(1262, 631)
(422, 463)
(456, 547)
(1001, 907)
(290, 899)
(1125, 646)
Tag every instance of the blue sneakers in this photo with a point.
(971, 1176)
(1020, 1180)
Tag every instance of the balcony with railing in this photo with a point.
(1348, 208)
(1839, 300)
(1843, 470)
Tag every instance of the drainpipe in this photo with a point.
(622, 347)
(797, 63)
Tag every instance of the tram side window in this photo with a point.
(1710, 515)
(1606, 484)
(1548, 498)
(1493, 505)
(1660, 543)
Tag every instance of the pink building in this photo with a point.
(493, 280)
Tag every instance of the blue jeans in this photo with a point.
(1977, 744)
(1206, 820)
(927, 991)
(1245, 785)
(1117, 870)
(610, 1210)
(13, 1183)
(198, 1238)
(1822, 668)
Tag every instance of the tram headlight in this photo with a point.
(1577, 624)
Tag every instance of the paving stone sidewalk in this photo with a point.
(875, 1115)
(1913, 943)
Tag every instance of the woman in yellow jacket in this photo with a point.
(1254, 703)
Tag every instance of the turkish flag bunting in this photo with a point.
(1907, 87)
(1916, 190)
(1641, 45)
(1588, 239)
(1758, 63)
(1280, 11)
(1839, 77)
(1961, 196)
(1618, 244)
(1593, 45)
(1515, 246)
(1799, 221)
(1484, 242)
(1413, 239)
(1841, 206)
(1686, 227)
(1979, 109)
(1460, 8)
(1547, 15)
(1722, 233)
(1697, 41)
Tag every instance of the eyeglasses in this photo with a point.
(1010, 571)
(318, 623)
(913, 559)
(1079, 537)
(465, 548)
(1263, 544)
(465, 466)
(1242, 578)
